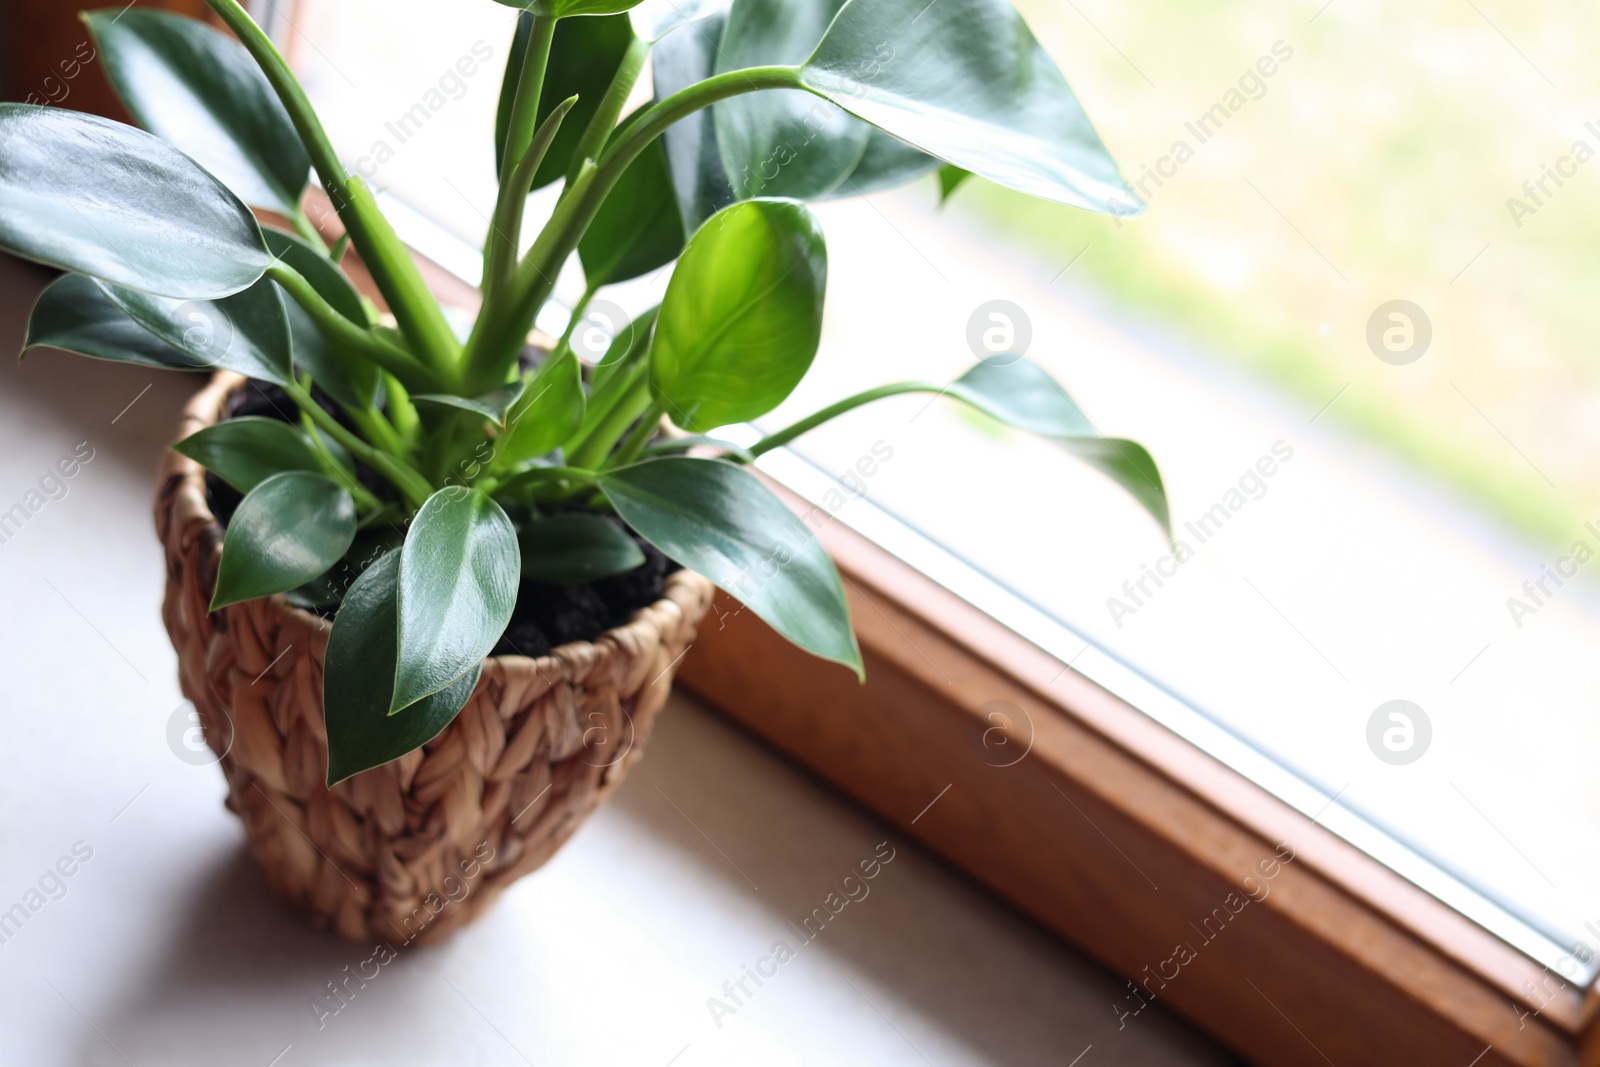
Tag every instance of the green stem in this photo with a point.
(416, 488)
(342, 332)
(537, 476)
(530, 86)
(502, 333)
(572, 323)
(505, 231)
(649, 423)
(610, 423)
(386, 257)
(833, 411)
(605, 117)
(362, 496)
(303, 227)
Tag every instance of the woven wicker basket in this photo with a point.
(408, 851)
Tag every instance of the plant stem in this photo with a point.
(832, 411)
(391, 264)
(610, 422)
(530, 86)
(303, 227)
(605, 117)
(649, 423)
(341, 331)
(572, 323)
(505, 231)
(416, 488)
(360, 493)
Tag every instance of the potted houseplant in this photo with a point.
(428, 590)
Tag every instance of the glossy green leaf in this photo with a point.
(654, 20)
(576, 547)
(699, 184)
(348, 378)
(549, 413)
(199, 89)
(358, 679)
(568, 8)
(246, 452)
(888, 162)
(90, 195)
(492, 405)
(720, 521)
(742, 316)
(247, 332)
(458, 584)
(290, 528)
(1021, 394)
(782, 142)
(638, 228)
(76, 315)
(965, 80)
(584, 56)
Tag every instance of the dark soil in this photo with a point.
(546, 616)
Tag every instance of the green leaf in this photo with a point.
(653, 20)
(348, 378)
(638, 228)
(720, 520)
(358, 678)
(90, 195)
(576, 547)
(247, 332)
(699, 183)
(965, 80)
(458, 585)
(76, 315)
(784, 142)
(492, 405)
(950, 179)
(1021, 394)
(567, 8)
(584, 56)
(887, 162)
(742, 316)
(290, 528)
(549, 413)
(246, 452)
(199, 89)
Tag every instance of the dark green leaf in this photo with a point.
(638, 228)
(289, 529)
(1020, 393)
(699, 183)
(348, 378)
(75, 314)
(90, 195)
(584, 56)
(782, 142)
(245, 452)
(247, 332)
(199, 89)
(492, 405)
(742, 316)
(358, 678)
(887, 162)
(965, 80)
(720, 520)
(576, 547)
(458, 583)
(548, 414)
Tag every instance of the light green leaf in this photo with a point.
(548, 414)
(782, 142)
(492, 405)
(458, 585)
(358, 679)
(76, 315)
(90, 195)
(720, 521)
(699, 184)
(247, 332)
(742, 316)
(653, 20)
(1020, 393)
(950, 179)
(246, 452)
(638, 228)
(199, 89)
(576, 547)
(965, 80)
(290, 528)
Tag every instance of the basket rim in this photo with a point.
(204, 409)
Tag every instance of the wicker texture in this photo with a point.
(410, 850)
